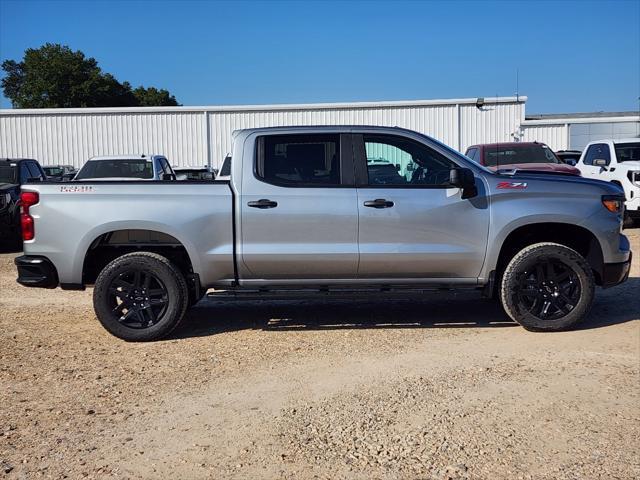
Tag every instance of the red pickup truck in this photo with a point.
(519, 156)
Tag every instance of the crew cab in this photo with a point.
(126, 167)
(14, 172)
(533, 156)
(616, 161)
(308, 209)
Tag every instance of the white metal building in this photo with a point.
(201, 135)
(572, 131)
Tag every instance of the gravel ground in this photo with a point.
(443, 387)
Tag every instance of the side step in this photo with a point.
(348, 293)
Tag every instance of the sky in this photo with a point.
(571, 56)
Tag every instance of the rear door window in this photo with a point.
(299, 160)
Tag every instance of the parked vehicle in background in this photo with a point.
(519, 156)
(304, 210)
(570, 157)
(616, 161)
(195, 173)
(14, 172)
(61, 173)
(126, 167)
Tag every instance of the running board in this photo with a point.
(290, 293)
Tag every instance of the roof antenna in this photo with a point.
(517, 84)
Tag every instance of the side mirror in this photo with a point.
(464, 179)
(167, 177)
(600, 162)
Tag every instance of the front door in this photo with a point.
(597, 151)
(299, 209)
(412, 224)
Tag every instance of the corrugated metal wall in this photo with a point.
(556, 136)
(189, 135)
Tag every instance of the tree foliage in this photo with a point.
(54, 76)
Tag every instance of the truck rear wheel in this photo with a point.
(547, 287)
(140, 297)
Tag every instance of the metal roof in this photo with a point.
(274, 107)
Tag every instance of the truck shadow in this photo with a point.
(437, 310)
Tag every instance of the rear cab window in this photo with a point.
(627, 152)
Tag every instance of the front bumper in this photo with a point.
(615, 273)
(36, 271)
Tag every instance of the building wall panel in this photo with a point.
(194, 135)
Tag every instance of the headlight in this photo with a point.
(634, 176)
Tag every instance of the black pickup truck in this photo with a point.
(14, 172)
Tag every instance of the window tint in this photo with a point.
(495, 156)
(472, 154)
(299, 159)
(628, 152)
(597, 151)
(225, 170)
(399, 161)
(25, 174)
(133, 168)
(8, 173)
(35, 170)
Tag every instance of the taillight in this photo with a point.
(613, 203)
(27, 199)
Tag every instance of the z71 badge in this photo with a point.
(512, 185)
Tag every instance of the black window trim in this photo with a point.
(362, 173)
(345, 163)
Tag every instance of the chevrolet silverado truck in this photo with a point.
(330, 210)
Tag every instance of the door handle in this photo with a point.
(379, 203)
(263, 203)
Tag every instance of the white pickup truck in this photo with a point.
(616, 161)
(330, 210)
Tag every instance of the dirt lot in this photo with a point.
(366, 389)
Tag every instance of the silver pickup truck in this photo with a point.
(334, 210)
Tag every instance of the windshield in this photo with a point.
(52, 171)
(506, 155)
(8, 173)
(628, 152)
(133, 168)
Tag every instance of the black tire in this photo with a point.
(140, 297)
(547, 287)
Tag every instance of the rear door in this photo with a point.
(411, 223)
(299, 217)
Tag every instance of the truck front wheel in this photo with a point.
(547, 287)
(140, 297)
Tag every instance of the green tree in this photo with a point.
(54, 76)
(149, 97)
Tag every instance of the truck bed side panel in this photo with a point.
(69, 217)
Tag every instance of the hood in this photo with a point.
(540, 167)
(524, 176)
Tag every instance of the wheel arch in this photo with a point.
(579, 238)
(102, 245)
